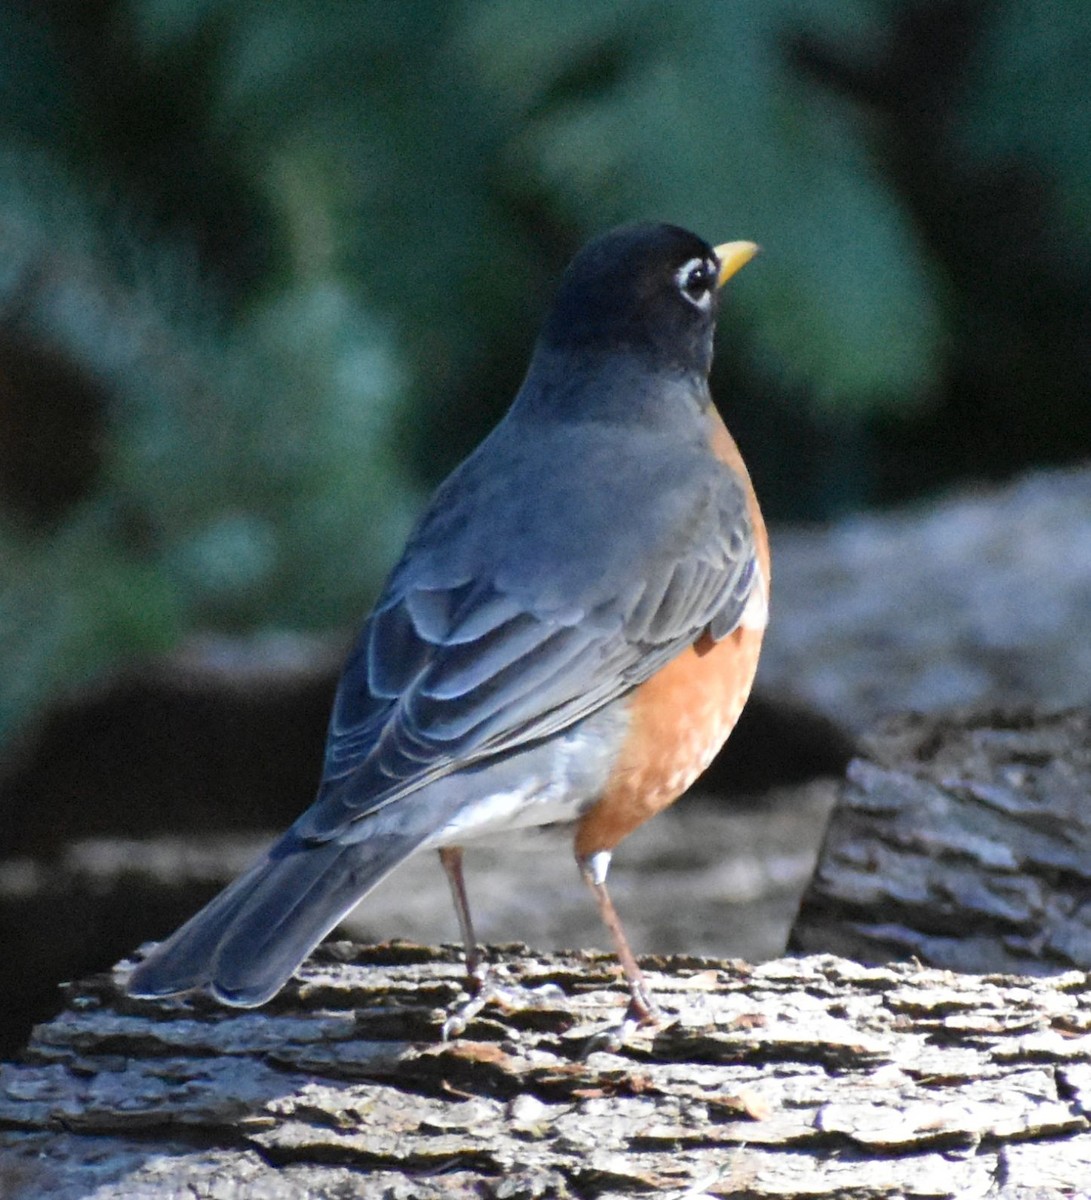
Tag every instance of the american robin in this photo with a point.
(569, 637)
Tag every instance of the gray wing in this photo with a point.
(479, 647)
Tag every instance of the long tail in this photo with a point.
(246, 943)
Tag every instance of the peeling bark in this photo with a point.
(798, 1078)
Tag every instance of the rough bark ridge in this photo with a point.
(963, 840)
(809, 1078)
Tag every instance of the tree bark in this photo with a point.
(797, 1078)
(961, 840)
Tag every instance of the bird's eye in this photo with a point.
(696, 281)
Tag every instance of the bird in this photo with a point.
(568, 638)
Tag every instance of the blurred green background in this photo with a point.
(268, 268)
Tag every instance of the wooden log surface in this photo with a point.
(961, 839)
(809, 1078)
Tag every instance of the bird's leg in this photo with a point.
(642, 1009)
(481, 985)
(451, 859)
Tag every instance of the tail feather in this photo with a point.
(246, 943)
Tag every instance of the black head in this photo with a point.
(651, 290)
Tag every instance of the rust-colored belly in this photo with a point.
(679, 719)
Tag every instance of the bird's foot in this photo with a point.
(642, 1013)
(488, 991)
(485, 989)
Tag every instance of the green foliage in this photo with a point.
(439, 120)
(1028, 102)
(72, 605)
(244, 476)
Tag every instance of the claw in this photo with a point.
(484, 990)
(641, 1014)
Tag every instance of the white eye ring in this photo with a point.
(685, 280)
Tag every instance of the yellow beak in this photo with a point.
(733, 256)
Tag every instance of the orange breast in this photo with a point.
(679, 719)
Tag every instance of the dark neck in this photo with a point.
(579, 384)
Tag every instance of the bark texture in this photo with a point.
(799, 1078)
(964, 841)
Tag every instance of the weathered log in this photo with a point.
(797, 1078)
(698, 880)
(964, 841)
(976, 597)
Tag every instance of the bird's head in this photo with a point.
(650, 290)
